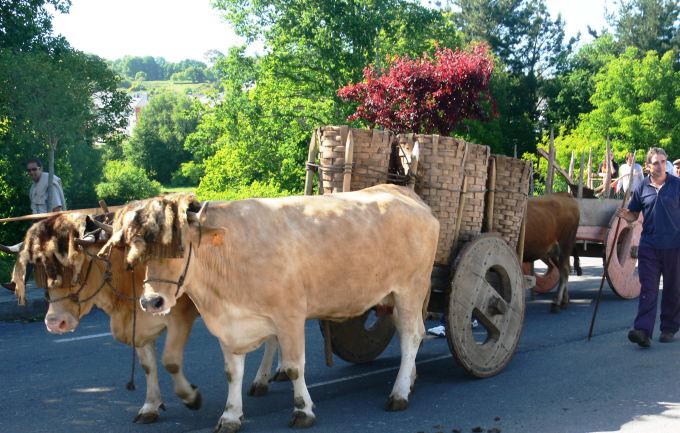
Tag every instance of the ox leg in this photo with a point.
(264, 373)
(411, 329)
(151, 410)
(562, 297)
(173, 356)
(231, 418)
(292, 343)
(280, 375)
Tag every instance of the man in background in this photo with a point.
(38, 193)
(676, 165)
(39, 189)
(625, 170)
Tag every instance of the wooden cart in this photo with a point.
(480, 201)
(596, 232)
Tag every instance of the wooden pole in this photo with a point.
(311, 158)
(490, 196)
(413, 167)
(607, 167)
(349, 156)
(590, 168)
(551, 165)
(42, 216)
(580, 177)
(571, 166)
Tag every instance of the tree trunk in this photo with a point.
(50, 178)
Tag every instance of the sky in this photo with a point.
(186, 29)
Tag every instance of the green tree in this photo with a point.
(647, 24)
(636, 102)
(27, 24)
(124, 182)
(531, 46)
(157, 142)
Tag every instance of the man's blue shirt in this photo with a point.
(661, 212)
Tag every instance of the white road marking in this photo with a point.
(84, 337)
(382, 370)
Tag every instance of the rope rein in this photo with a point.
(180, 282)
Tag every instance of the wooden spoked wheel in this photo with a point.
(622, 273)
(362, 338)
(487, 286)
(545, 281)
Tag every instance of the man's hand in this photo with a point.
(627, 215)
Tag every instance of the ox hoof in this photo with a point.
(225, 426)
(198, 400)
(301, 419)
(395, 404)
(258, 390)
(554, 308)
(280, 376)
(146, 418)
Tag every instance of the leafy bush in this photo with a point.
(189, 173)
(256, 189)
(425, 95)
(124, 182)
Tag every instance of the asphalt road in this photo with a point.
(556, 381)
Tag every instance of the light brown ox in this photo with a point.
(55, 243)
(254, 272)
(552, 222)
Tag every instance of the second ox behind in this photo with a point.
(253, 269)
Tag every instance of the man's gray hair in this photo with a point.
(655, 151)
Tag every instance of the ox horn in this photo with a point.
(14, 249)
(194, 217)
(106, 227)
(85, 241)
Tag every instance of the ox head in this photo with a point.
(144, 228)
(55, 245)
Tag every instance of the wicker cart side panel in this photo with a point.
(370, 157)
(439, 182)
(510, 201)
(476, 174)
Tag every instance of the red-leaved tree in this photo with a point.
(426, 95)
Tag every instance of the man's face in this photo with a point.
(677, 169)
(629, 160)
(34, 171)
(657, 166)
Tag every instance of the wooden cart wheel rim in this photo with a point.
(545, 281)
(472, 295)
(354, 342)
(622, 273)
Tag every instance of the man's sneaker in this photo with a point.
(640, 337)
(439, 331)
(11, 286)
(666, 337)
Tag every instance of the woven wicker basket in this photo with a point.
(446, 167)
(510, 196)
(370, 157)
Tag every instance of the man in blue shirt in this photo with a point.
(658, 198)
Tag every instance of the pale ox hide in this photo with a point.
(254, 271)
(89, 287)
(552, 222)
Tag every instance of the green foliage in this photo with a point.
(155, 69)
(157, 142)
(636, 103)
(647, 24)
(189, 173)
(124, 182)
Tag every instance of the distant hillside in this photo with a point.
(175, 86)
